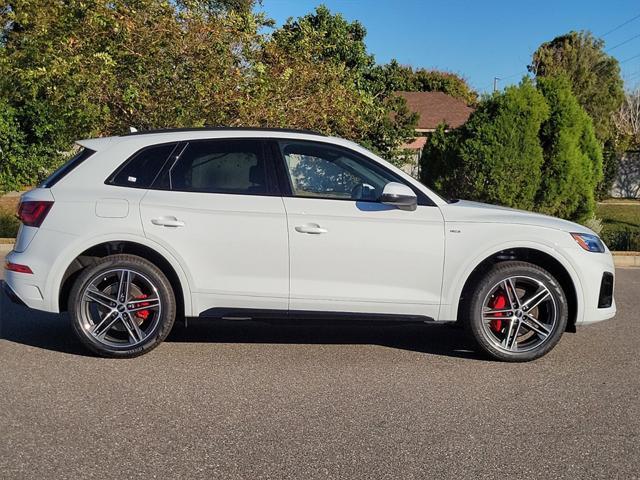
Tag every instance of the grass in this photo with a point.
(620, 224)
(8, 223)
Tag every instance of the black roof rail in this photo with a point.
(214, 129)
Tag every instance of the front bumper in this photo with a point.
(591, 269)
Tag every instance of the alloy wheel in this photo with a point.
(519, 314)
(120, 308)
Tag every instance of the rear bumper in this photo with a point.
(13, 296)
(24, 288)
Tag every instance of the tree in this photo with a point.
(627, 122)
(336, 39)
(324, 41)
(572, 155)
(496, 156)
(393, 77)
(595, 80)
(79, 68)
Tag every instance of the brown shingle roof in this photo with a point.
(435, 108)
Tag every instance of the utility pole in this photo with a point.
(495, 83)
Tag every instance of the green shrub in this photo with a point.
(496, 156)
(621, 237)
(572, 166)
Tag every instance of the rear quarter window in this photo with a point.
(141, 169)
(65, 169)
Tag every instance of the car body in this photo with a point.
(262, 250)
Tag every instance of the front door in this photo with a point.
(349, 252)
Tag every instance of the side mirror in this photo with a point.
(399, 195)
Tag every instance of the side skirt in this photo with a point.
(307, 315)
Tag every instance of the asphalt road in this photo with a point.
(245, 400)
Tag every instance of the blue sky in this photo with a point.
(479, 40)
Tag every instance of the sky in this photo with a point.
(480, 40)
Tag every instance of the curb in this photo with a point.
(626, 259)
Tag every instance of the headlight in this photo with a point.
(591, 243)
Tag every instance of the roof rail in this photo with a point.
(200, 129)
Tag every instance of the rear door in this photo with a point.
(216, 207)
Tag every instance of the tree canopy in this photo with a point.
(393, 77)
(496, 156)
(595, 80)
(572, 154)
(531, 147)
(79, 68)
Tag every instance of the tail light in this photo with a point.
(33, 212)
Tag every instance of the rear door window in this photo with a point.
(236, 166)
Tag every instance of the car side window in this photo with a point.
(219, 166)
(143, 167)
(323, 171)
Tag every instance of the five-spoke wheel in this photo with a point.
(518, 312)
(122, 306)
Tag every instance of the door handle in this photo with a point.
(167, 222)
(312, 228)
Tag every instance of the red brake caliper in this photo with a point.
(142, 314)
(499, 302)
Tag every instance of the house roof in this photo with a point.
(435, 108)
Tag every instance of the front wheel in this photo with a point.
(517, 312)
(123, 306)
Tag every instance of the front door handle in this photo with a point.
(312, 228)
(167, 222)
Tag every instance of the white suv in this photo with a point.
(274, 224)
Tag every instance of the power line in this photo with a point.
(630, 58)
(623, 43)
(620, 26)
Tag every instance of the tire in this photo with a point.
(516, 328)
(122, 307)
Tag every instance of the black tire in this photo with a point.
(487, 335)
(162, 318)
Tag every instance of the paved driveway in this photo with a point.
(245, 400)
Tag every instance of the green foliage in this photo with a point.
(440, 164)
(594, 75)
(496, 156)
(621, 225)
(9, 224)
(394, 77)
(337, 39)
(527, 147)
(572, 155)
(80, 68)
(352, 107)
(596, 82)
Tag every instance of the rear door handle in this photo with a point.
(312, 228)
(167, 222)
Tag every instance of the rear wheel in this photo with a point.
(517, 313)
(123, 306)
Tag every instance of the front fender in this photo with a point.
(458, 269)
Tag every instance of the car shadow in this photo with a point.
(53, 332)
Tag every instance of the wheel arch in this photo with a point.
(162, 260)
(551, 261)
